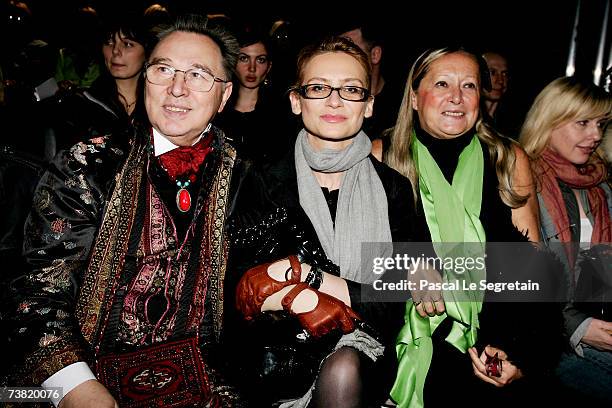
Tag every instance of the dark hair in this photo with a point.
(105, 89)
(371, 27)
(332, 44)
(250, 34)
(157, 14)
(130, 26)
(195, 23)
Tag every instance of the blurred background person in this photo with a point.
(26, 62)
(285, 41)
(114, 100)
(368, 35)
(561, 133)
(253, 116)
(156, 16)
(78, 62)
(500, 108)
(498, 70)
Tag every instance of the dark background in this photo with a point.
(534, 35)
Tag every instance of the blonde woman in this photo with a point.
(344, 197)
(474, 186)
(561, 134)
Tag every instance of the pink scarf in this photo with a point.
(550, 167)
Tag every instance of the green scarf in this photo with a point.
(445, 205)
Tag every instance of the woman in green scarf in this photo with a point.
(474, 186)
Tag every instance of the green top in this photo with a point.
(65, 70)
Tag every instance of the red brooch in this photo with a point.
(182, 165)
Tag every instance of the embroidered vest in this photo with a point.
(156, 259)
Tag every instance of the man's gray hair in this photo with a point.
(198, 24)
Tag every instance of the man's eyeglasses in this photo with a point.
(195, 79)
(322, 91)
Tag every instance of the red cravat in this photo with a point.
(184, 162)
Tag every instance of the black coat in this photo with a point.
(268, 224)
(268, 204)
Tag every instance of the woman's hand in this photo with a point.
(599, 335)
(508, 372)
(262, 288)
(428, 302)
(258, 284)
(319, 313)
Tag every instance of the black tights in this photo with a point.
(340, 382)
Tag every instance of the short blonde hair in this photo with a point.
(332, 44)
(564, 99)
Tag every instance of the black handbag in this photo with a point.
(593, 294)
(278, 360)
(281, 360)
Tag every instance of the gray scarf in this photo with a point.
(361, 215)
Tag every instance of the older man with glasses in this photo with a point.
(127, 245)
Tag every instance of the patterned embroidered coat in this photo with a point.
(83, 223)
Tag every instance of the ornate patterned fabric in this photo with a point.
(77, 239)
(169, 375)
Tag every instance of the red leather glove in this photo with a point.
(256, 285)
(329, 314)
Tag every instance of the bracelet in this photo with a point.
(294, 269)
(287, 276)
(314, 278)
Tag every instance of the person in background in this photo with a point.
(252, 117)
(114, 100)
(498, 70)
(156, 16)
(500, 109)
(387, 94)
(284, 41)
(26, 62)
(124, 57)
(78, 63)
(561, 134)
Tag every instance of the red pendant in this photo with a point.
(183, 200)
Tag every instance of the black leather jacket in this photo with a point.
(269, 224)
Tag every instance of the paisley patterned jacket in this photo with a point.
(76, 240)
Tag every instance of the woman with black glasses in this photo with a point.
(327, 198)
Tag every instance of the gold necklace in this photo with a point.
(127, 105)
